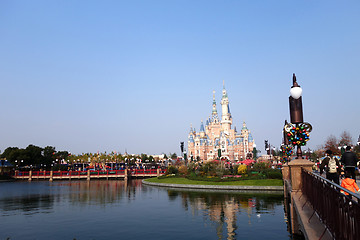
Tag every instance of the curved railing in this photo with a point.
(340, 213)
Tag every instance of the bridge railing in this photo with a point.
(133, 172)
(340, 213)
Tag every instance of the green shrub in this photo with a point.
(192, 175)
(219, 173)
(183, 170)
(191, 167)
(273, 174)
(172, 170)
(209, 169)
(261, 166)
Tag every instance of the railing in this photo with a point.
(44, 174)
(340, 213)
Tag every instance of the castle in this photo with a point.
(218, 135)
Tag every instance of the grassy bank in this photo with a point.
(257, 182)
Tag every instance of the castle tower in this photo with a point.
(202, 130)
(214, 115)
(226, 119)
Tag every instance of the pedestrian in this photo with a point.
(349, 160)
(349, 184)
(333, 167)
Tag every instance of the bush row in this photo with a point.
(213, 171)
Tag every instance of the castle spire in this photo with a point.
(214, 115)
(226, 119)
(214, 110)
(202, 129)
(224, 93)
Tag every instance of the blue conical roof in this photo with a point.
(202, 129)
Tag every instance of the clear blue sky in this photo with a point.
(88, 76)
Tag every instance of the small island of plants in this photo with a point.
(215, 173)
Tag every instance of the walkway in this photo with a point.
(264, 189)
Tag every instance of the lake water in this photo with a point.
(115, 209)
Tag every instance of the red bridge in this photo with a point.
(89, 174)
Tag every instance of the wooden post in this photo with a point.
(51, 176)
(158, 172)
(88, 174)
(30, 175)
(126, 174)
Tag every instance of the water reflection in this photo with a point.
(30, 204)
(101, 192)
(223, 209)
(40, 197)
(134, 211)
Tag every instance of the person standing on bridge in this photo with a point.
(349, 160)
(333, 167)
(349, 184)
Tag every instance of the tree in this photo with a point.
(144, 157)
(331, 144)
(345, 139)
(173, 156)
(49, 155)
(11, 154)
(63, 155)
(276, 152)
(33, 155)
(315, 155)
(255, 153)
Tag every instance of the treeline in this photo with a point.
(33, 156)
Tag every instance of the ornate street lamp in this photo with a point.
(297, 132)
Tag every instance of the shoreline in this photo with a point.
(217, 187)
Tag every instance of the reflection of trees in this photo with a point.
(41, 197)
(102, 192)
(222, 209)
(29, 204)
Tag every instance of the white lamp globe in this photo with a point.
(295, 92)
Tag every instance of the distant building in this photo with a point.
(216, 134)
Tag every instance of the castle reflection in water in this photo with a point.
(223, 209)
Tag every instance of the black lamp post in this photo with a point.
(296, 112)
(285, 137)
(285, 143)
(182, 152)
